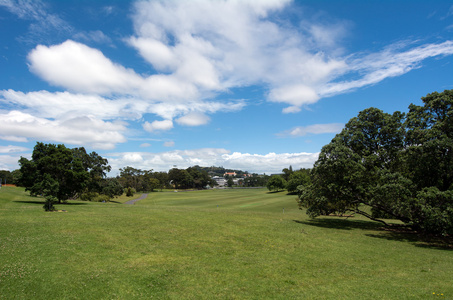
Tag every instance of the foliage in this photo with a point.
(53, 171)
(220, 171)
(101, 198)
(256, 181)
(7, 177)
(49, 204)
(401, 167)
(112, 188)
(287, 172)
(298, 178)
(276, 183)
(62, 173)
(130, 192)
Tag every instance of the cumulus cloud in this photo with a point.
(257, 163)
(77, 67)
(193, 119)
(158, 125)
(313, 129)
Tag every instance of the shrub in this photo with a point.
(130, 192)
(49, 204)
(101, 198)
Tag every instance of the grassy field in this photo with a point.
(214, 244)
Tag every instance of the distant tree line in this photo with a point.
(147, 180)
(220, 171)
(9, 177)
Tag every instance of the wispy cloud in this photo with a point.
(96, 36)
(391, 62)
(312, 130)
(44, 25)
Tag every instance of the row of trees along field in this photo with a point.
(390, 166)
(147, 180)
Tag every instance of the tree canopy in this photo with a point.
(276, 183)
(399, 165)
(60, 173)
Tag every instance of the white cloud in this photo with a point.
(63, 105)
(132, 158)
(169, 144)
(10, 162)
(296, 95)
(291, 109)
(258, 163)
(271, 162)
(76, 131)
(313, 129)
(158, 125)
(145, 145)
(197, 50)
(216, 45)
(80, 68)
(193, 119)
(390, 62)
(12, 149)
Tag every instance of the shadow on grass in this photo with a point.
(416, 238)
(41, 202)
(344, 224)
(275, 192)
(388, 233)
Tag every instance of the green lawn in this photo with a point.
(214, 244)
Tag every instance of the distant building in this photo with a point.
(229, 174)
(222, 182)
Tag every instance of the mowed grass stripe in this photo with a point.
(236, 199)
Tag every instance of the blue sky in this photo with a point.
(251, 85)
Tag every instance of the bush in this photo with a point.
(88, 196)
(130, 192)
(101, 198)
(49, 204)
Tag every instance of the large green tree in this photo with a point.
(400, 166)
(60, 173)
